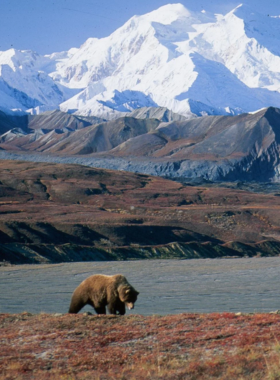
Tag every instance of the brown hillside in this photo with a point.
(48, 210)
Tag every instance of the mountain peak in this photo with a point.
(246, 12)
(239, 6)
(168, 13)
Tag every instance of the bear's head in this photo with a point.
(128, 295)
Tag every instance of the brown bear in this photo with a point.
(100, 291)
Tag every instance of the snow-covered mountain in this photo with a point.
(193, 63)
(24, 84)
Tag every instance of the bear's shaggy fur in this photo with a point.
(100, 291)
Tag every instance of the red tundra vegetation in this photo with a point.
(183, 346)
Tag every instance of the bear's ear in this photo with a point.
(127, 291)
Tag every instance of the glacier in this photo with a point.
(193, 63)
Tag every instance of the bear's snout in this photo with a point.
(130, 305)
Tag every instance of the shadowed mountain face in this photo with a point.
(90, 139)
(55, 213)
(47, 121)
(9, 122)
(243, 147)
(103, 137)
(212, 137)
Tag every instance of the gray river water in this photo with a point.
(165, 286)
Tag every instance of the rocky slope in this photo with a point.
(55, 213)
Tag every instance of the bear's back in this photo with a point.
(100, 280)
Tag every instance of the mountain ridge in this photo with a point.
(244, 147)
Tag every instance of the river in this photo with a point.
(165, 286)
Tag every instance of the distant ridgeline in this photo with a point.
(154, 141)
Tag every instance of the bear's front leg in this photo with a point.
(100, 310)
(112, 308)
(116, 307)
(121, 308)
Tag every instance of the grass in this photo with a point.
(185, 346)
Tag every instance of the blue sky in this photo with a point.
(48, 26)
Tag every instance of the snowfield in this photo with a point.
(194, 63)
